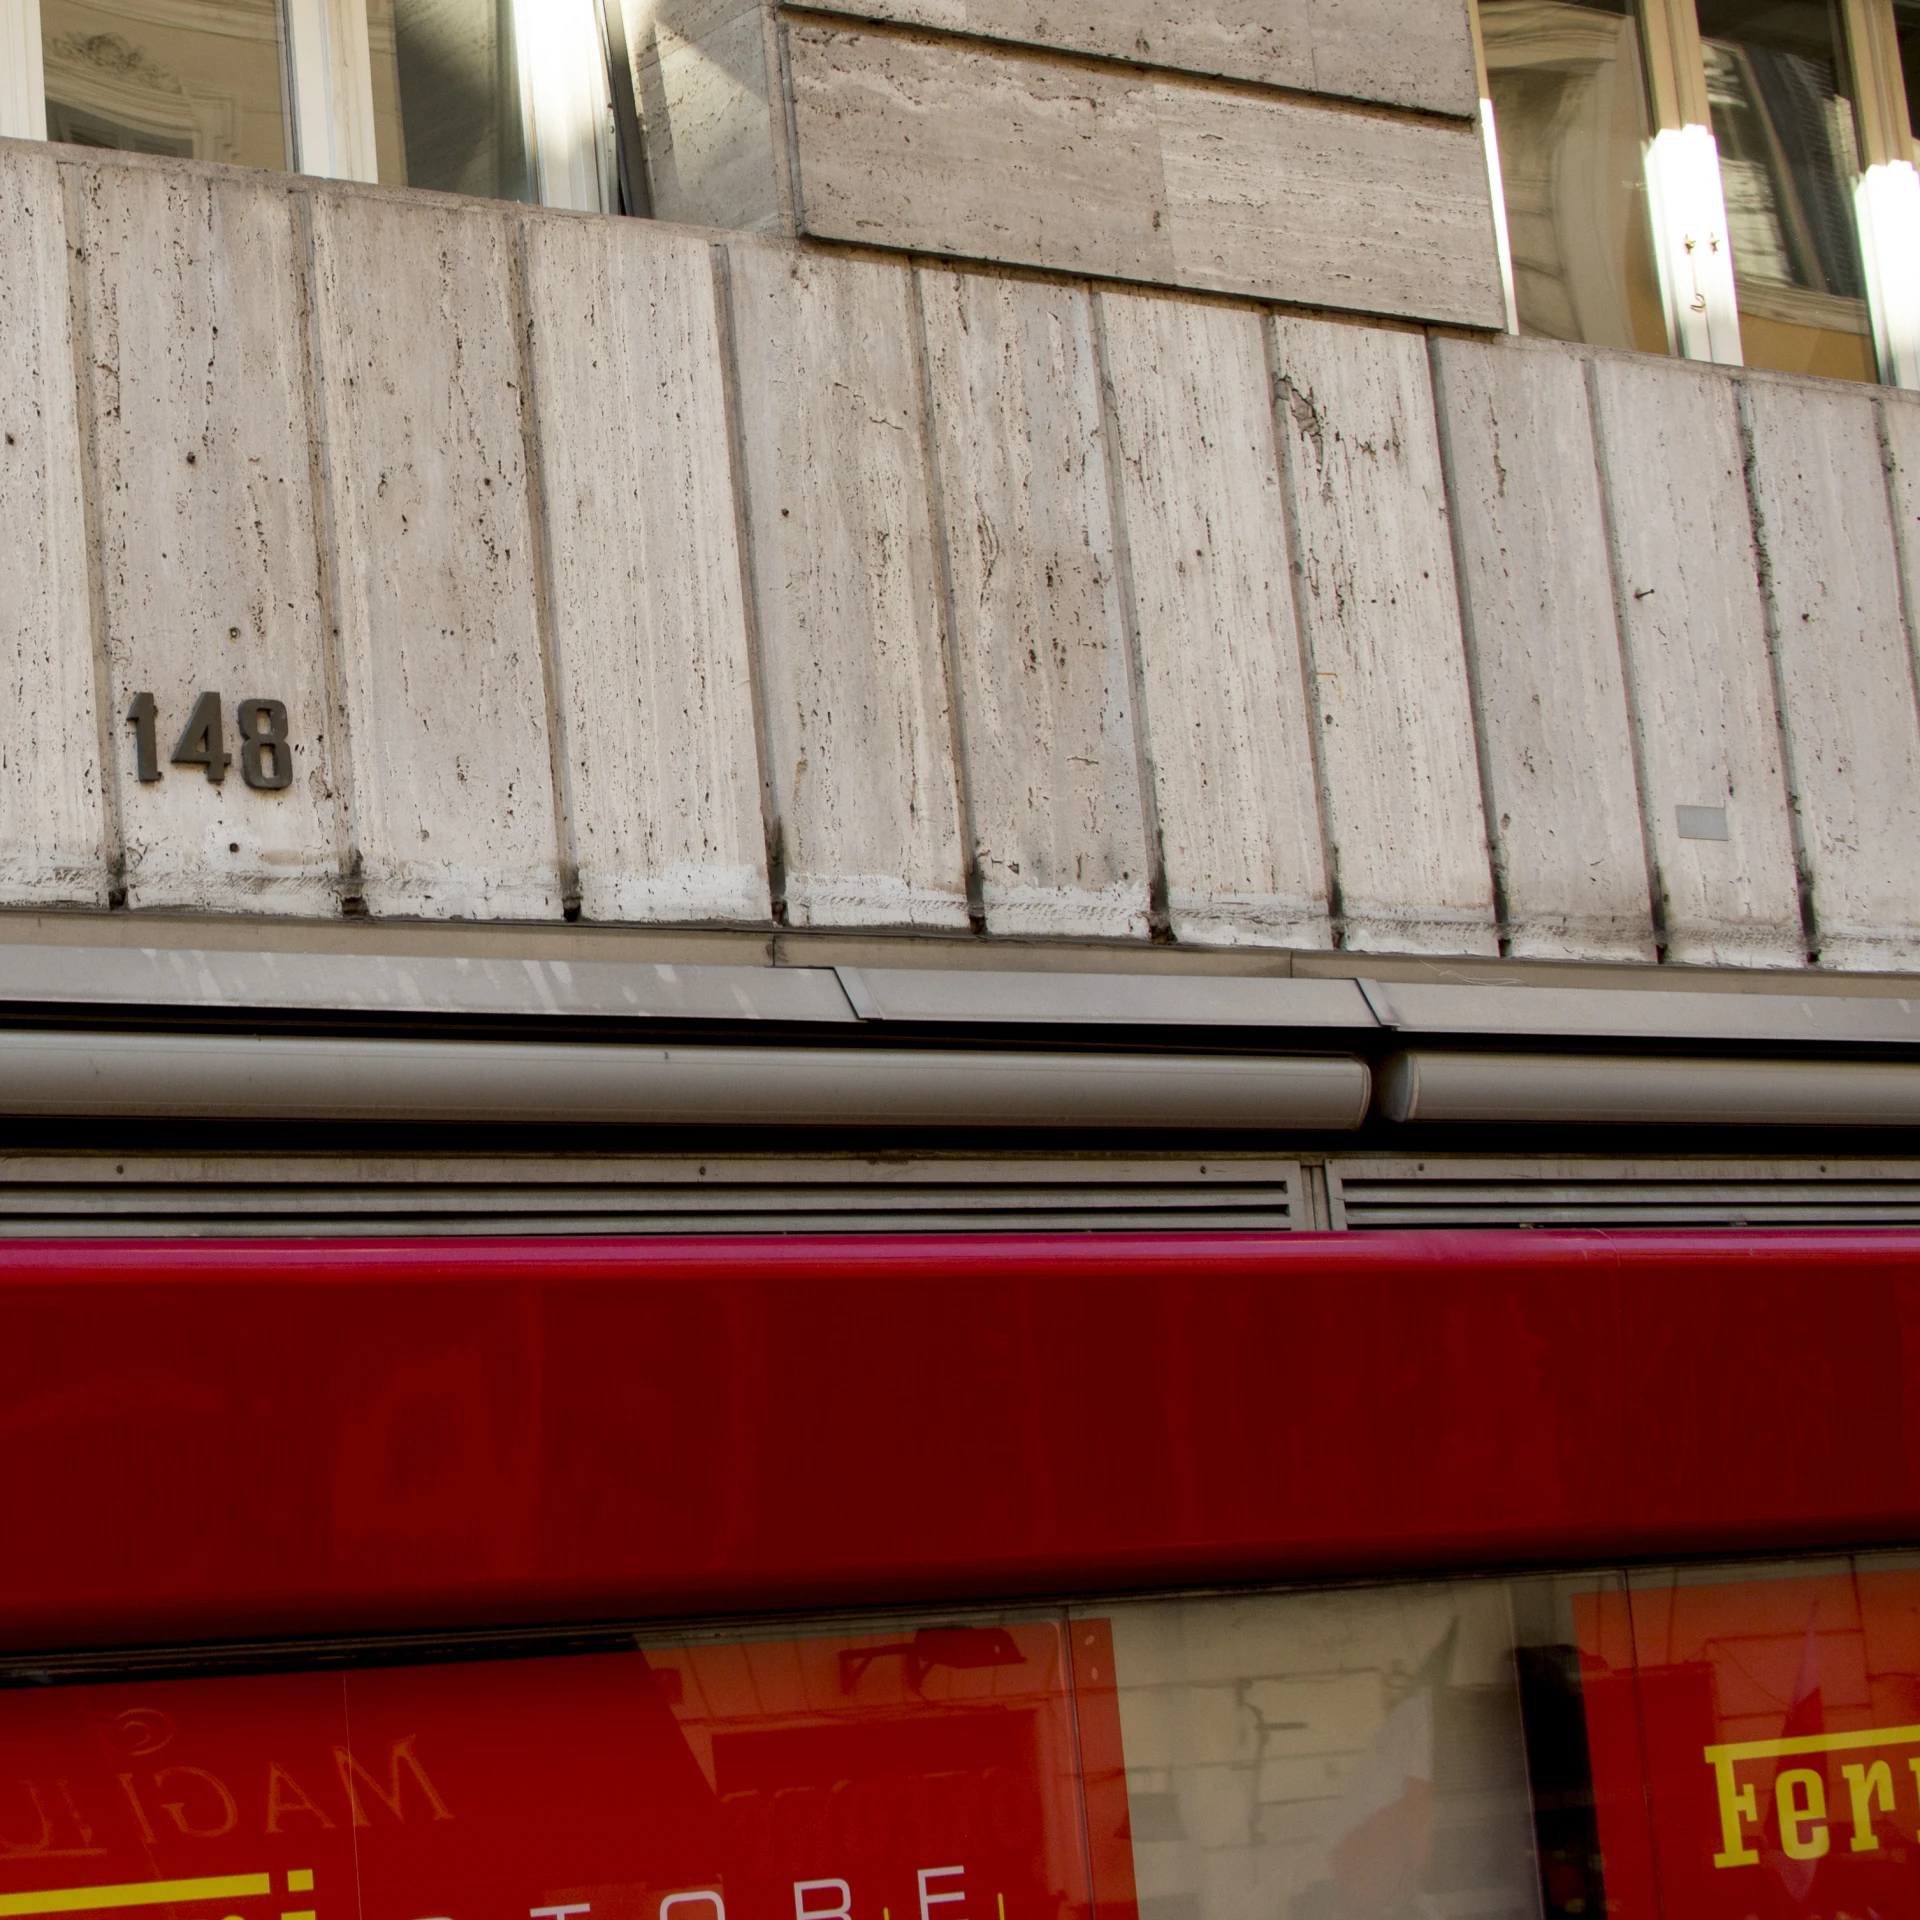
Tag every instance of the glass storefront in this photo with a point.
(1730, 1743)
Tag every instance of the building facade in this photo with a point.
(959, 954)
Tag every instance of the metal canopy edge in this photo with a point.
(954, 996)
(1643, 1013)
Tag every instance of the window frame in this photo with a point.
(329, 89)
(1686, 205)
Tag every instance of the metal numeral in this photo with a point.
(263, 735)
(146, 750)
(266, 755)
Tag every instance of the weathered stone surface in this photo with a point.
(210, 562)
(1844, 664)
(1900, 423)
(656, 695)
(445, 692)
(1044, 681)
(1406, 52)
(940, 147)
(1382, 627)
(1688, 593)
(701, 75)
(1227, 736)
(846, 583)
(51, 822)
(1537, 596)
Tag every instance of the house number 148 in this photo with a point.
(266, 761)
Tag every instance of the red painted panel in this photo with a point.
(198, 1440)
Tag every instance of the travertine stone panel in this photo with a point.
(453, 788)
(1537, 595)
(1900, 422)
(1412, 53)
(210, 561)
(944, 148)
(1844, 665)
(1227, 734)
(1382, 625)
(51, 826)
(656, 694)
(859, 726)
(1044, 681)
(1687, 588)
(701, 75)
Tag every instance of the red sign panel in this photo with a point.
(925, 1775)
(1756, 1745)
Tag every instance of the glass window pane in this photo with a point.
(1776, 76)
(448, 100)
(207, 82)
(1906, 27)
(1779, 1751)
(503, 98)
(1569, 108)
(1326, 1756)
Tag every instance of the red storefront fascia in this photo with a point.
(222, 1440)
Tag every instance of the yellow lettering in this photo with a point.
(1864, 1785)
(400, 1754)
(1736, 1806)
(1796, 1816)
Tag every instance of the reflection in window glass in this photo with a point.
(502, 98)
(1776, 78)
(1569, 108)
(1906, 27)
(207, 82)
(1326, 1756)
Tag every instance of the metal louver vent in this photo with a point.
(1438, 1191)
(141, 1196)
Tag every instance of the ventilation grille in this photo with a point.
(134, 1196)
(1443, 1192)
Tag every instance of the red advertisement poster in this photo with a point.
(1756, 1746)
(919, 1775)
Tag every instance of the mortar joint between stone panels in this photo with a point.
(1629, 680)
(787, 182)
(1906, 561)
(1776, 666)
(1035, 53)
(347, 854)
(1306, 656)
(947, 611)
(1470, 647)
(726, 324)
(545, 600)
(113, 848)
(1132, 638)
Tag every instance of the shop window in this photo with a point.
(205, 82)
(1789, 158)
(1570, 109)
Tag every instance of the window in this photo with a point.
(1729, 178)
(1789, 157)
(1569, 104)
(513, 99)
(1906, 29)
(205, 81)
